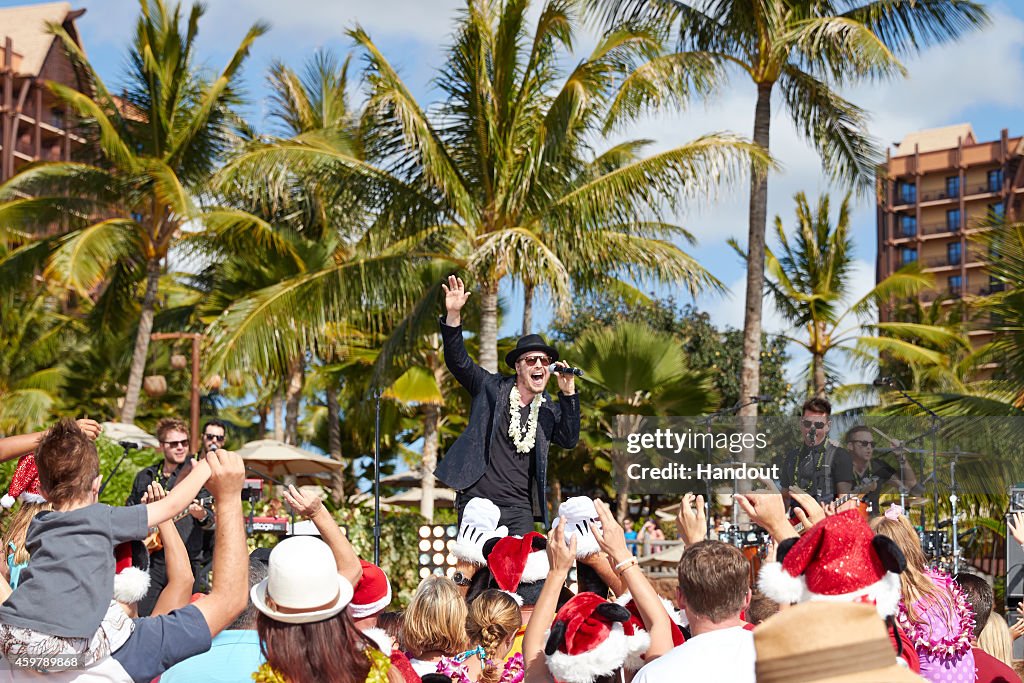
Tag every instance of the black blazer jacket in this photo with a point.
(467, 459)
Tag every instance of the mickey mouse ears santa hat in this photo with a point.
(131, 566)
(587, 640)
(839, 559)
(515, 560)
(24, 484)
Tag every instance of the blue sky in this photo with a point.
(979, 80)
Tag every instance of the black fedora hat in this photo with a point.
(527, 343)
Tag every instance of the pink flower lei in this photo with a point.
(513, 672)
(958, 640)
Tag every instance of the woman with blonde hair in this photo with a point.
(494, 619)
(933, 611)
(434, 625)
(996, 640)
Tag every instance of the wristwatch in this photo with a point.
(461, 579)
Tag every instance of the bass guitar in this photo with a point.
(153, 542)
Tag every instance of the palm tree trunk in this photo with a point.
(818, 362)
(334, 443)
(278, 410)
(293, 394)
(431, 440)
(528, 290)
(138, 366)
(261, 425)
(750, 375)
(489, 326)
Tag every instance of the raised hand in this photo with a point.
(693, 524)
(91, 428)
(227, 475)
(304, 504)
(154, 492)
(566, 380)
(1016, 527)
(561, 555)
(610, 536)
(455, 297)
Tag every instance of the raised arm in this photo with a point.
(230, 592)
(180, 580)
(560, 558)
(312, 508)
(181, 496)
(463, 369)
(567, 430)
(16, 446)
(612, 540)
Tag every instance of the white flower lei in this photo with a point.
(523, 442)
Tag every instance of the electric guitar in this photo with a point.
(153, 542)
(866, 486)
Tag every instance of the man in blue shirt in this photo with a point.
(235, 653)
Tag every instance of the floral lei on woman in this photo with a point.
(958, 640)
(380, 664)
(523, 442)
(513, 672)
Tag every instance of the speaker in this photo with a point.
(1014, 571)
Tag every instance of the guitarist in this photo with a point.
(861, 442)
(174, 443)
(820, 468)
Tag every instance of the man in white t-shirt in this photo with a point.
(714, 590)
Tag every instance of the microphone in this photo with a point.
(883, 382)
(944, 523)
(129, 445)
(564, 370)
(762, 398)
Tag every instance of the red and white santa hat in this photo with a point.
(587, 639)
(839, 559)
(514, 560)
(372, 594)
(638, 641)
(24, 484)
(131, 580)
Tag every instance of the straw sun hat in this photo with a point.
(827, 642)
(303, 584)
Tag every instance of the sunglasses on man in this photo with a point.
(176, 444)
(808, 424)
(214, 437)
(862, 442)
(536, 360)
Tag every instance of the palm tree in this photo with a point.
(631, 371)
(807, 48)
(810, 280)
(500, 180)
(122, 211)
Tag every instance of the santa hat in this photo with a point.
(587, 640)
(24, 484)
(372, 594)
(580, 513)
(638, 641)
(479, 525)
(515, 560)
(839, 559)
(131, 580)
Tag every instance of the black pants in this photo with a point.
(518, 520)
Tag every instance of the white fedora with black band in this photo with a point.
(303, 584)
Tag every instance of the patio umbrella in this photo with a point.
(444, 498)
(123, 431)
(276, 458)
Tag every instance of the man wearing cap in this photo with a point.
(503, 453)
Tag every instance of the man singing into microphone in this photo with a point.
(503, 454)
(817, 467)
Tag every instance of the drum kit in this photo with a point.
(942, 544)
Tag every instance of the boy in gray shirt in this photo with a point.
(63, 607)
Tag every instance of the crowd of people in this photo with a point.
(93, 592)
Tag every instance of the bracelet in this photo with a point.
(626, 564)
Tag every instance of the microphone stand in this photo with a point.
(125, 448)
(376, 479)
(708, 421)
(933, 431)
